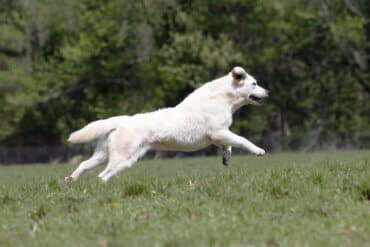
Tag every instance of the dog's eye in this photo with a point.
(254, 84)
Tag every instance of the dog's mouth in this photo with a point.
(256, 99)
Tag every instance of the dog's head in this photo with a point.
(247, 87)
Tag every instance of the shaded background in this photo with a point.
(64, 63)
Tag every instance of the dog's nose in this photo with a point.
(267, 92)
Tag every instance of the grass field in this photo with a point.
(318, 199)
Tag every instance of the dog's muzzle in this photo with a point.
(259, 99)
(256, 99)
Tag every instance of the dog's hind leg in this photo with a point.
(100, 156)
(226, 155)
(126, 145)
(105, 171)
(123, 165)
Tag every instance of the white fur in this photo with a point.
(201, 119)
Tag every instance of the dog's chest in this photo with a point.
(182, 137)
(181, 132)
(184, 130)
(184, 141)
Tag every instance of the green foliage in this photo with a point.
(192, 59)
(64, 63)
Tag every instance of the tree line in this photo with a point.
(64, 63)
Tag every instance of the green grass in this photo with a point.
(318, 199)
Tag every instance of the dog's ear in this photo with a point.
(238, 74)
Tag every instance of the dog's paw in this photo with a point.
(225, 161)
(68, 179)
(103, 179)
(259, 151)
(226, 156)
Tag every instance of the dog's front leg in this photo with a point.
(226, 155)
(228, 138)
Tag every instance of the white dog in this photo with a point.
(201, 119)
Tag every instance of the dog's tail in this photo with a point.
(92, 131)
